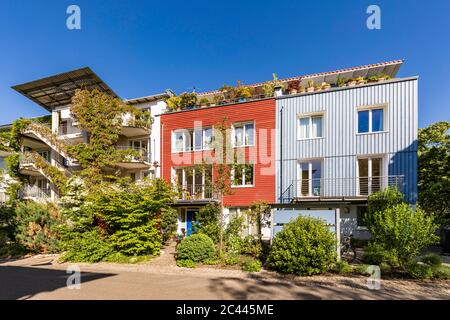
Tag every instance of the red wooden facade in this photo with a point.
(261, 154)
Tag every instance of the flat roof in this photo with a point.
(155, 97)
(389, 67)
(58, 90)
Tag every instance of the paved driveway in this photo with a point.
(41, 278)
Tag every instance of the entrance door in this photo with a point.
(190, 218)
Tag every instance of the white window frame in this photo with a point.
(244, 130)
(243, 185)
(370, 108)
(310, 116)
(384, 171)
(310, 173)
(192, 132)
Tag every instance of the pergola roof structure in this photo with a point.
(58, 90)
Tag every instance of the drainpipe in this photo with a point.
(281, 153)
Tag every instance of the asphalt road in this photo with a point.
(44, 280)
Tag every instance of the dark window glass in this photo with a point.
(361, 216)
(363, 121)
(377, 120)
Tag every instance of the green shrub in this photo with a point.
(402, 232)
(343, 267)
(432, 260)
(86, 247)
(442, 273)
(169, 221)
(419, 271)
(251, 265)
(197, 248)
(208, 222)
(232, 260)
(139, 240)
(304, 246)
(186, 263)
(361, 269)
(375, 254)
(252, 247)
(380, 201)
(36, 226)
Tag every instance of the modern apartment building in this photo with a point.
(338, 146)
(54, 94)
(319, 150)
(189, 157)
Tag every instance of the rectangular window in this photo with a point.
(244, 134)
(371, 120)
(194, 183)
(243, 175)
(370, 175)
(310, 178)
(310, 127)
(192, 140)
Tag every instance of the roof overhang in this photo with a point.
(152, 98)
(58, 90)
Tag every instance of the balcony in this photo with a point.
(133, 126)
(338, 189)
(196, 193)
(140, 159)
(29, 192)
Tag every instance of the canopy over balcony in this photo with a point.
(58, 90)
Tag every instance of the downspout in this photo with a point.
(281, 153)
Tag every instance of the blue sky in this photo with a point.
(143, 47)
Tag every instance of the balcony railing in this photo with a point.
(196, 192)
(34, 192)
(140, 154)
(352, 187)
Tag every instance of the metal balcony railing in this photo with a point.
(34, 192)
(340, 187)
(141, 154)
(196, 192)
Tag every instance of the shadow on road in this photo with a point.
(25, 282)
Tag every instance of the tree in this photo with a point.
(259, 215)
(100, 116)
(380, 201)
(402, 232)
(434, 169)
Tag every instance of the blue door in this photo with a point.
(190, 218)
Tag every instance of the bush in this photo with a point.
(419, 271)
(36, 226)
(169, 221)
(380, 201)
(252, 247)
(304, 247)
(432, 260)
(362, 269)
(87, 247)
(251, 265)
(197, 248)
(186, 263)
(402, 233)
(139, 240)
(442, 273)
(343, 267)
(207, 221)
(375, 254)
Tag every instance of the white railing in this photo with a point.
(34, 192)
(196, 192)
(141, 154)
(340, 187)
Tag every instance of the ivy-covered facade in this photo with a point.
(113, 138)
